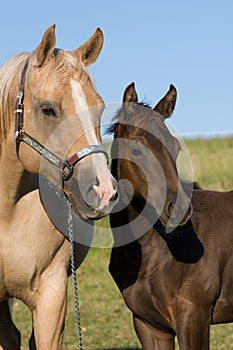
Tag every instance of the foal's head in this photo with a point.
(146, 156)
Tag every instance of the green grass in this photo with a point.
(212, 161)
(106, 322)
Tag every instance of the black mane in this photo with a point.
(124, 112)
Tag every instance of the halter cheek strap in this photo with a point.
(19, 103)
(65, 166)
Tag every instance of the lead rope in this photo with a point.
(74, 278)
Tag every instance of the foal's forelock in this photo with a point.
(142, 116)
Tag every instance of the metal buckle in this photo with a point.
(66, 171)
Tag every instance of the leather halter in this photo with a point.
(66, 166)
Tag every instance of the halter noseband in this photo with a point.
(65, 166)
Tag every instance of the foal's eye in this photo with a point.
(48, 112)
(136, 151)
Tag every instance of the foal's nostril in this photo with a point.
(169, 209)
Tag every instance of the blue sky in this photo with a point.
(153, 43)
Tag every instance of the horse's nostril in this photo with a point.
(115, 197)
(91, 198)
(98, 196)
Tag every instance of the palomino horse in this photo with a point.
(174, 282)
(50, 85)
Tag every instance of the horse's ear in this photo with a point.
(46, 47)
(90, 50)
(130, 94)
(166, 105)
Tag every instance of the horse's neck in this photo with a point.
(15, 182)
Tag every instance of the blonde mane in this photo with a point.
(9, 74)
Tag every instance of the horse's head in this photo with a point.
(62, 112)
(146, 156)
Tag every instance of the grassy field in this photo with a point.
(106, 322)
(212, 161)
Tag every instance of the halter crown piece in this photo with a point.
(66, 166)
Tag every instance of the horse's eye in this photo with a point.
(136, 151)
(48, 112)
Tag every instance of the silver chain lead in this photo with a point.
(74, 278)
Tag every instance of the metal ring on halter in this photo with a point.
(66, 171)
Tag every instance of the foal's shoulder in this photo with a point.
(206, 199)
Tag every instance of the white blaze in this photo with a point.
(105, 189)
(80, 103)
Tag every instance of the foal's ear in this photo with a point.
(46, 47)
(166, 105)
(90, 50)
(130, 94)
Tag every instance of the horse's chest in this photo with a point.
(28, 247)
